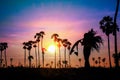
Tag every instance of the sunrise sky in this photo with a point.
(20, 20)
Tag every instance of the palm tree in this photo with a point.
(11, 60)
(69, 47)
(30, 57)
(1, 49)
(106, 24)
(96, 62)
(5, 45)
(55, 36)
(79, 61)
(35, 52)
(99, 60)
(64, 42)
(42, 33)
(115, 33)
(93, 60)
(59, 45)
(103, 60)
(29, 47)
(37, 36)
(24, 47)
(89, 42)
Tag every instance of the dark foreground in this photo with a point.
(59, 74)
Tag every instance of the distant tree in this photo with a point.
(37, 37)
(42, 33)
(96, 62)
(55, 37)
(59, 45)
(90, 42)
(11, 60)
(5, 46)
(24, 47)
(29, 47)
(69, 48)
(30, 57)
(79, 61)
(93, 60)
(34, 45)
(103, 60)
(99, 60)
(64, 42)
(1, 49)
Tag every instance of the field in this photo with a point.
(59, 74)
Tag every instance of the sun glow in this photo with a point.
(51, 48)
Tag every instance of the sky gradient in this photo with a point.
(20, 20)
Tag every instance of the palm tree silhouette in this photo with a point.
(115, 33)
(42, 33)
(1, 49)
(69, 47)
(24, 47)
(35, 52)
(79, 61)
(93, 59)
(11, 60)
(64, 42)
(30, 57)
(55, 36)
(37, 36)
(59, 45)
(99, 60)
(103, 60)
(29, 47)
(89, 42)
(5, 45)
(106, 24)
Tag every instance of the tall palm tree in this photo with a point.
(89, 42)
(69, 47)
(106, 24)
(115, 33)
(59, 45)
(29, 47)
(37, 36)
(55, 36)
(24, 47)
(1, 49)
(35, 52)
(5, 45)
(42, 33)
(64, 42)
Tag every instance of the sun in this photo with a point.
(51, 48)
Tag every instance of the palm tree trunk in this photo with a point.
(86, 51)
(5, 58)
(65, 56)
(55, 54)
(42, 52)
(59, 58)
(38, 56)
(1, 60)
(69, 59)
(29, 60)
(25, 58)
(115, 33)
(109, 51)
